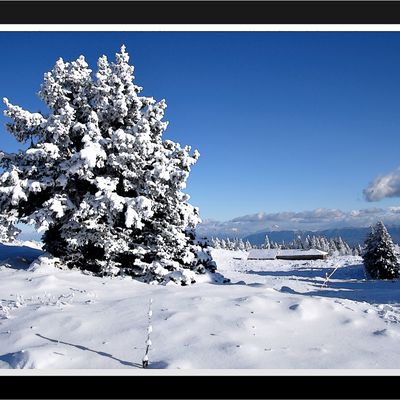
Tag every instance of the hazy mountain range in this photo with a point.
(352, 236)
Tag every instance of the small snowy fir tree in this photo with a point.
(267, 244)
(379, 257)
(357, 250)
(333, 250)
(307, 243)
(99, 180)
(215, 243)
(342, 247)
(241, 245)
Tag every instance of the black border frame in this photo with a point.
(199, 387)
(199, 12)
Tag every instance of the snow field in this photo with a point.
(273, 315)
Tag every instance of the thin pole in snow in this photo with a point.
(145, 360)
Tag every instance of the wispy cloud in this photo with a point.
(384, 186)
(320, 218)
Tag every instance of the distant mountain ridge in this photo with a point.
(352, 236)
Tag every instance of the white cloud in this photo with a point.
(384, 186)
(320, 218)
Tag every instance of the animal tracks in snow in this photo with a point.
(390, 314)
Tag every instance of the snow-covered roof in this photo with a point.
(301, 252)
(262, 254)
(272, 254)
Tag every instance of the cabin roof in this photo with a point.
(264, 254)
(271, 254)
(301, 252)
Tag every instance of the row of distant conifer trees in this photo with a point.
(333, 246)
(379, 252)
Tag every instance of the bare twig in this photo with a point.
(327, 277)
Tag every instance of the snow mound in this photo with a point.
(46, 263)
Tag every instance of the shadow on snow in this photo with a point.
(100, 353)
(348, 282)
(370, 291)
(355, 271)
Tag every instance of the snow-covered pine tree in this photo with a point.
(215, 243)
(341, 246)
(397, 249)
(234, 244)
(333, 250)
(267, 244)
(348, 249)
(356, 251)
(379, 257)
(299, 243)
(324, 244)
(99, 179)
(307, 243)
(313, 242)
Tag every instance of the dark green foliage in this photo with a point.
(379, 257)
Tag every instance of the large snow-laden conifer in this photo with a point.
(98, 178)
(379, 256)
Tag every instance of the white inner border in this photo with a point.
(202, 28)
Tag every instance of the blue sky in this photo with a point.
(284, 121)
